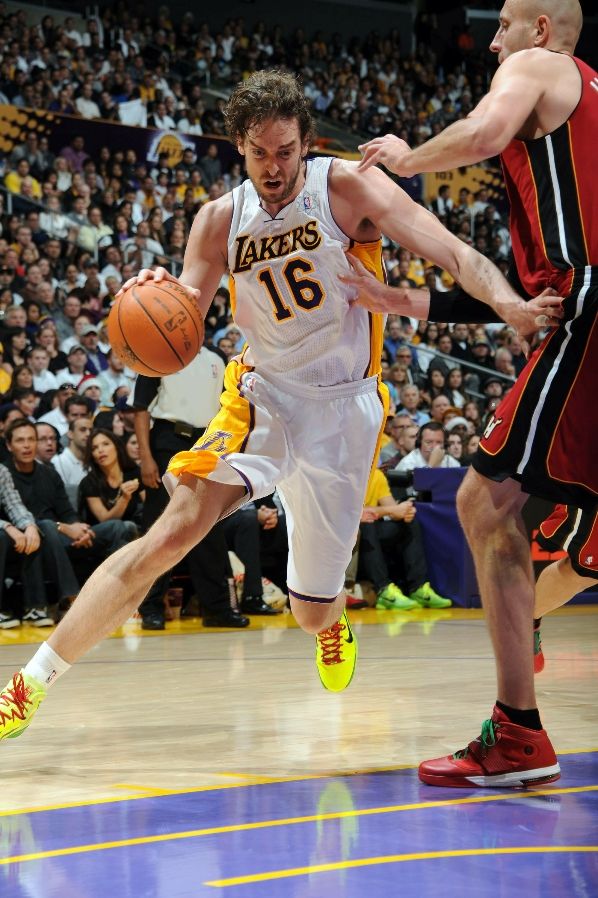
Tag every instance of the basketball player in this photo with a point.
(541, 115)
(302, 409)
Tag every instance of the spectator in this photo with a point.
(461, 348)
(454, 384)
(25, 400)
(15, 342)
(95, 234)
(112, 377)
(77, 366)
(47, 338)
(85, 104)
(429, 451)
(70, 464)
(47, 442)
(75, 154)
(454, 446)
(20, 544)
(389, 534)
(410, 402)
(38, 361)
(57, 416)
(110, 490)
(210, 166)
(96, 360)
(394, 448)
(64, 535)
(242, 531)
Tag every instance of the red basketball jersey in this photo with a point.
(553, 190)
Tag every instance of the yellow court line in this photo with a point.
(256, 781)
(287, 821)
(160, 793)
(397, 859)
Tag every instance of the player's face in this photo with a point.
(515, 30)
(274, 155)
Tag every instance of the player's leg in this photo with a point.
(575, 531)
(114, 591)
(513, 748)
(118, 586)
(557, 584)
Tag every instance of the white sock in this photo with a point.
(46, 666)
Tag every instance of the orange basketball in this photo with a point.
(156, 328)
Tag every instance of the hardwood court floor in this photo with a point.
(213, 763)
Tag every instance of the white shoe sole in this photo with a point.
(522, 778)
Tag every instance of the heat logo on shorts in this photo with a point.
(492, 425)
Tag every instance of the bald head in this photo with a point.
(549, 24)
(566, 19)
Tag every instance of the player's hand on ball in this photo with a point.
(146, 275)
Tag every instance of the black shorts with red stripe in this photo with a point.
(575, 532)
(545, 431)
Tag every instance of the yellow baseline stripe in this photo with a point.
(397, 859)
(287, 821)
(249, 781)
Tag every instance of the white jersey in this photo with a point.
(286, 297)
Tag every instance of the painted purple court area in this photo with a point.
(498, 844)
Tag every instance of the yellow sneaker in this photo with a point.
(336, 655)
(19, 701)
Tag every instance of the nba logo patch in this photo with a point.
(309, 202)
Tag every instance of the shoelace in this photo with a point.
(330, 640)
(14, 699)
(486, 739)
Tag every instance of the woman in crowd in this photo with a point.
(48, 338)
(435, 383)
(15, 347)
(470, 448)
(21, 377)
(111, 488)
(427, 347)
(454, 385)
(471, 411)
(454, 446)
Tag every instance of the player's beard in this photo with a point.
(285, 190)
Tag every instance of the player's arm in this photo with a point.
(389, 208)
(516, 89)
(205, 256)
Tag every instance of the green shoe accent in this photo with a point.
(427, 598)
(391, 598)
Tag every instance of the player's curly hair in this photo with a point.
(266, 95)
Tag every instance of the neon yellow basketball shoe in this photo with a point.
(19, 701)
(336, 655)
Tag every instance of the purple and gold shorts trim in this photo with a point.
(320, 600)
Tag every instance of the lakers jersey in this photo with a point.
(286, 295)
(553, 193)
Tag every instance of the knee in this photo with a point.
(311, 616)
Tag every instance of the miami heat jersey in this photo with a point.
(286, 297)
(553, 192)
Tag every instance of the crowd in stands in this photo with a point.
(80, 225)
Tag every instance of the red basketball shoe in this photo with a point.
(505, 755)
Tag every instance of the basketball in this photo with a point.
(155, 328)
